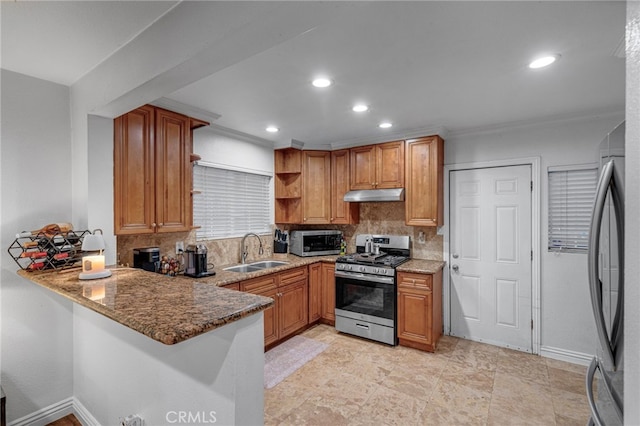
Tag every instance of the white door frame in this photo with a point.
(534, 162)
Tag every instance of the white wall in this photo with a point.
(567, 326)
(119, 372)
(100, 188)
(632, 231)
(35, 189)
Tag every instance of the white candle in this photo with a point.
(93, 264)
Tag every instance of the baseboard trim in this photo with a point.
(56, 411)
(565, 355)
(81, 412)
(47, 414)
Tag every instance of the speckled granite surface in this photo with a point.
(421, 266)
(169, 310)
(173, 309)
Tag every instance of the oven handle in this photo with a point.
(363, 277)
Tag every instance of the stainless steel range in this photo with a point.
(366, 293)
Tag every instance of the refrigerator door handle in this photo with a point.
(617, 192)
(595, 415)
(595, 284)
(603, 384)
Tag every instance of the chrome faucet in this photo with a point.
(244, 248)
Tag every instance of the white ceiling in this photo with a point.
(425, 66)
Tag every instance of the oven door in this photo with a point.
(371, 298)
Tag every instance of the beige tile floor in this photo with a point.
(358, 382)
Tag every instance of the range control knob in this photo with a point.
(375, 270)
(363, 269)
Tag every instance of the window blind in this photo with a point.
(571, 195)
(230, 203)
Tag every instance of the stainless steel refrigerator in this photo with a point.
(606, 281)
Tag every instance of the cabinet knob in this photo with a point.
(153, 224)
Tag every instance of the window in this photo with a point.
(230, 203)
(571, 194)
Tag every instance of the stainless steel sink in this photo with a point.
(268, 264)
(256, 266)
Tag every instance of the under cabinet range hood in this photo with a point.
(373, 195)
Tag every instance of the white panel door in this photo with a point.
(490, 255)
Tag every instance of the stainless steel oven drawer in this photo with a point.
(368, 330)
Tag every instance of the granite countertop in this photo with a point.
(421, 266)
(173, 309)
(167, 309)
(222, 277)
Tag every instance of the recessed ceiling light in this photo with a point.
(360, 108)
(321, 82)
(385, 125)
(272, 129)
(543, 61)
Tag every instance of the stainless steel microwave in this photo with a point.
(315, 243)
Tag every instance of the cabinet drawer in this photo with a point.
(259, 284)
(232, 286)
(417, 281)
(293, 275)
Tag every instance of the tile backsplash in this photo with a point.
(375, 218)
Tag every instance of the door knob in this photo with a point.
(455, 255)
(455, 268)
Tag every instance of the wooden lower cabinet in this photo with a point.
(328, 294)
(315, 292)
(290, 312)
(293, 298)
(419, 310)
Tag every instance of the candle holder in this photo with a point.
(93, 265)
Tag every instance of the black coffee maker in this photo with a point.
(196, 261)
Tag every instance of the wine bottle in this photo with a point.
(48, 230)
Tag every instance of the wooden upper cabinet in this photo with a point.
(342, 212)
(152, 172)
(377, 166)
(424, 197)
(134, 172)
(316, 196)
(173, 172)
(288, 185)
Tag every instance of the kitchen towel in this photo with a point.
(286, 358)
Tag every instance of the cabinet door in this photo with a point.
(173, 172)
(294, 308)
(328, 293)
(134, 172)
(315, 292)
(271, 332)
(342, 213)
(390, 165)
(414, 315)
(266, 286)
(363, 167)
(424, 197)
(316, 197)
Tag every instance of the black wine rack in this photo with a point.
(41, 251)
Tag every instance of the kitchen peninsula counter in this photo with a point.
(166, 309)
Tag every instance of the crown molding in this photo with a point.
(524, 124)
(185, 109)
(391, 136)
(238, 135)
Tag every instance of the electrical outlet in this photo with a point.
(179, 247)
(132, 420)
